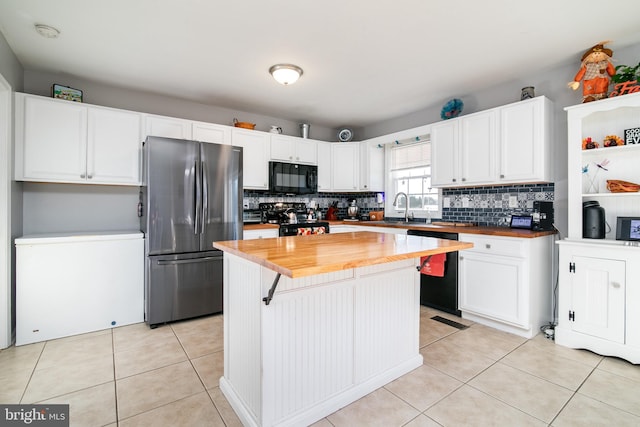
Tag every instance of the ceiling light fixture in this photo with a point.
(47, 31)
(285, 74)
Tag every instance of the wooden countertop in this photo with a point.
(299, 256)
(491, 231)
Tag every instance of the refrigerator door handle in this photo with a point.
(197, 197)
(189, 261)
(205, 197)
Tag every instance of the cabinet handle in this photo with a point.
(464, 179)
(90, 176)
(82, 175)
(501, 176)
(461, 257)
(487, 245)
(615, 285)
(454, 180)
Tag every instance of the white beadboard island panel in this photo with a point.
(320, 344)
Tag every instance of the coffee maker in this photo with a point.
(593, 220)
(542, 217)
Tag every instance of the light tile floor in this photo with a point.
(136, 376)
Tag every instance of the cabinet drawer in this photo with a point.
(507, 246)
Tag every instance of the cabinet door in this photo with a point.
(598, 298)
(255, 154)
(283, 148)
(306, 151)
(324, 166)
(477, 148)
(371, 167)
(54, 140)
(521, 141)
(259, 234)
(345, 164)
(168, 127)
(209, 132)
(444, 154)
(113, 149)
(493, 286)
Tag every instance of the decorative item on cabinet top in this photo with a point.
(244, 125)
(65, 92)
(452, 109)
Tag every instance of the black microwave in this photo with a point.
(292, 178)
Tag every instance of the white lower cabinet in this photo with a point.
(74, 284)
(263, 233)
(598, 299)
(506, 282)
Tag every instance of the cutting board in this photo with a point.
(454, 224)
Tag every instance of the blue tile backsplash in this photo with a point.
(490, 205)
(481, 205)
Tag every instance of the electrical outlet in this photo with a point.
(513, 201)
(465, 202)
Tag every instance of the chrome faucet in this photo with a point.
(406, 199)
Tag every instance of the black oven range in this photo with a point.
(294, 218)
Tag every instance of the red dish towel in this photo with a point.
(435, 266)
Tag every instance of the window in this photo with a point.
(409, 172)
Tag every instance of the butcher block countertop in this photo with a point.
(299, 256)
(491, 231)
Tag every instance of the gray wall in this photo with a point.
(10, 68)
(39, 83)
(76, 207)
(551, 83)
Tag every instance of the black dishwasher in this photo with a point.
(440, 292)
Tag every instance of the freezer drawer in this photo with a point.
(182, 286)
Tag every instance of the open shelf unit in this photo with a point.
(597, 120)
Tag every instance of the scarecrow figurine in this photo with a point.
(597, 71)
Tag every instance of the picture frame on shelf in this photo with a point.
(632, 136)
(66, 93)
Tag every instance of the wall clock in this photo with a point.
(345, 135)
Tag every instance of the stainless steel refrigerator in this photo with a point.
(191, 196)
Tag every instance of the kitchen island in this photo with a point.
(313, 323)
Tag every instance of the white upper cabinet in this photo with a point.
(169, 127)
(445, 163)
(209, 132)
(371, 167)
(345, 162)
(294, 150)
(478, 148)
(463, 150)
(62, 141)
(508, 144)
(255, 154)
(525, 141)
(113, 146)
(324, 166)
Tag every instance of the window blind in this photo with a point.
(411, 156)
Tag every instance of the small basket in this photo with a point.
(244, 125)
(618, 186)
